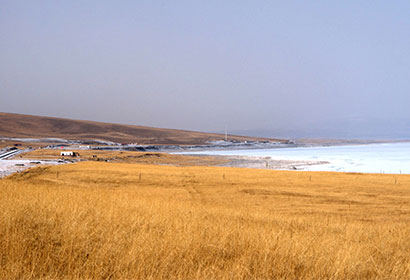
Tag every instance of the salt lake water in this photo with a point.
(391, 158)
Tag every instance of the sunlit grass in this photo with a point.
(130, 221)
(127, 157)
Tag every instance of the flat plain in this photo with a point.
(140, 221)
(127, 157)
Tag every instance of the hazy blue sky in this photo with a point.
(259, 65)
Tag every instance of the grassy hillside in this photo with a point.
(16, 125)
(105, 220)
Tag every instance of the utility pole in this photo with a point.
(226, 134)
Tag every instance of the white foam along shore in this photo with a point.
(392, 158)
(10, 166)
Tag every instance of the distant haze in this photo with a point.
(291, 68)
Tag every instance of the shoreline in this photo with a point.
(291, 157)
(377, 158)
(256, 162)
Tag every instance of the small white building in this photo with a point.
(68, 153)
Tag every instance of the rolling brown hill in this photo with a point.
(28, 126)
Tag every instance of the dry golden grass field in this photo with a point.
(128, 157)
(97, 220)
